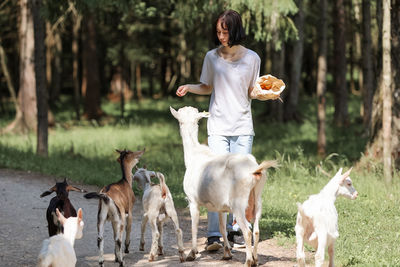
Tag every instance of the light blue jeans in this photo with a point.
(241, 144)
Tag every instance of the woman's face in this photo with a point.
(222, 33)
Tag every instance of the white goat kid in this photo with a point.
(158, 206)
(317, 219)
(221, 183)
(58, 250)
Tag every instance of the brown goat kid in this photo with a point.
(115, 202)
(60, 202)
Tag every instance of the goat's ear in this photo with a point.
(139, 154)
(148, 178)
(204, 114)
(73, 188)
(339, 173)
(51, 190)
(174, 113)
(142, 152)
(345, 175)
(46, 193)
(80, 214)
(60, 217)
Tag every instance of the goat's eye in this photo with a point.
(349, 183)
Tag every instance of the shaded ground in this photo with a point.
(23, 227)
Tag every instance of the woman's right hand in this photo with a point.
(182, 90)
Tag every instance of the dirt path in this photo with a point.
(23, 227)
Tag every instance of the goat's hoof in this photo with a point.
(101, 263)
(181, 255)
(141, 247)
(250, 263)
(160, 251)
(255, 261)
(191, 256)
(227, 254)
(126, 250)
(152, 257)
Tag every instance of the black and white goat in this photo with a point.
(60, 202)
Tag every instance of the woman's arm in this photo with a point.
(199, 89)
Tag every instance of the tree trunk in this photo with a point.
(25, 119)
(138, 82)
(291, 112)
(91, 80)
(56, 83)
(49, 54)
(163, 75)
(151, 80)
(368, 75)
(387, 103)
(378, 48)
(341, 94)
(321, 81)
(53, 63)
(357, 43)
(375, 148)
(395, 58)
(77, 19)
(40, 74)
(122, 95)
(275, 108)
(7, 75)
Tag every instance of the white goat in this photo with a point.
(58, 250)
(158, 206)
(221, 183)
(317, 219)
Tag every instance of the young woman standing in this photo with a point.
(229, 73)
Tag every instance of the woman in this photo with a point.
(229, 74)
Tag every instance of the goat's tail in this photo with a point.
(300, 208)
(163, 185)
(264, 166)
(45, 257)
(101, 196)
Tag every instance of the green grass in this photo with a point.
(84, 151)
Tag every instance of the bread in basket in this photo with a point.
(268, 87)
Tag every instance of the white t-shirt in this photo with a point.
(230, 105)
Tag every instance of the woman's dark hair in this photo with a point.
(231, 21)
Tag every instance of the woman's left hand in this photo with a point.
(256, 93)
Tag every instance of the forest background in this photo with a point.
(79, 79)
